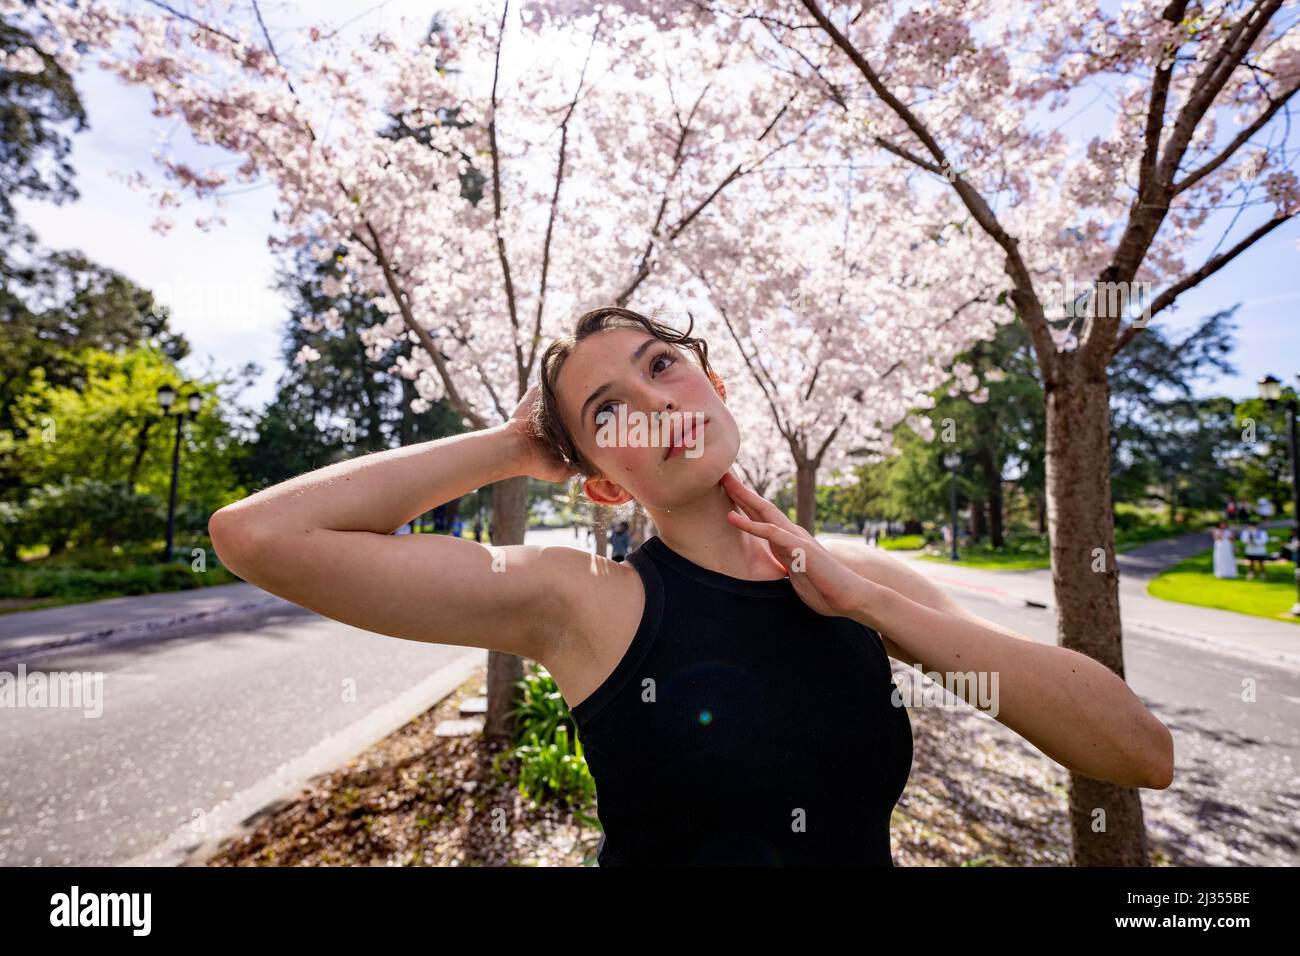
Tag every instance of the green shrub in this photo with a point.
(81, 512)
(551, 766)
(72, 583)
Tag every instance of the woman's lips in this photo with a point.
(690, 428)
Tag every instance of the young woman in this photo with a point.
(1225, 551)
(729, 680)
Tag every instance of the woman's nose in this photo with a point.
(654, 399)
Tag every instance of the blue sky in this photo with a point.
(218, 283)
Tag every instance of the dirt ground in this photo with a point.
(978, 795)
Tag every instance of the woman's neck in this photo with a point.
(701, 533)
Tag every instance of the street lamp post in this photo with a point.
(1270, 389)
(951, 461)
(167, 398)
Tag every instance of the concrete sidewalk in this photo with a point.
(1277, 641)
(24, 634)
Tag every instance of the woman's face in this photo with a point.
(650, 395)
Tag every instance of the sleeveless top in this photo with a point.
(741, 727)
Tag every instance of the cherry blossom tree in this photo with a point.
(482, 207)
(844, 331)
(1091, 239)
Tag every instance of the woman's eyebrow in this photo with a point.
(633, 358)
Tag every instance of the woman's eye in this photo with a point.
(664, 356)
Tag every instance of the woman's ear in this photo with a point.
(716, 379)
(605, 492)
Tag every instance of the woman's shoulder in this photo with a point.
(586, 586)
(599, 609)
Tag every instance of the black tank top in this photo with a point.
(742, 727)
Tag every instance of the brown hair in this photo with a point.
(546, 420)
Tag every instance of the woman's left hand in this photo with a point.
(819, 578)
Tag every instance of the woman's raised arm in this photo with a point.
(322, 540)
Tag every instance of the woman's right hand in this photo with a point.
(535, 458)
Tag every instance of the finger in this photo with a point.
(761, 530)
(744, 508)
(757, 506)
(734, 490)
(764, 510)
(779, 537)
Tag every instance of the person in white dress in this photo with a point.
(1225, 553)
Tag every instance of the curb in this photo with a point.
(154, 626)
(243, 812)
(1225, 645)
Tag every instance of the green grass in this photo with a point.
(1019, 553)
(1193, 582)
(1024, 552)
(903, 542)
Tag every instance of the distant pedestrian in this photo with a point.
(1264, 508)
(478, 529)
(1225, 552)
(1256, 540)
(457, 526)
(619, 541)
(1231, 510)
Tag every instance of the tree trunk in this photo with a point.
(993, 490)
(600, 515)
(976, 523)
(510, 522)
(1106, 822)
(141, 446)
(805, 496)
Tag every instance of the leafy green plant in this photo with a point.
(64, 580)
(551, 765)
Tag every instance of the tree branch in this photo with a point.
(1191, 179)
(1211, 266)
(1028, 303)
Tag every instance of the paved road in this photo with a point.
(187, 724)
(23, 631)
